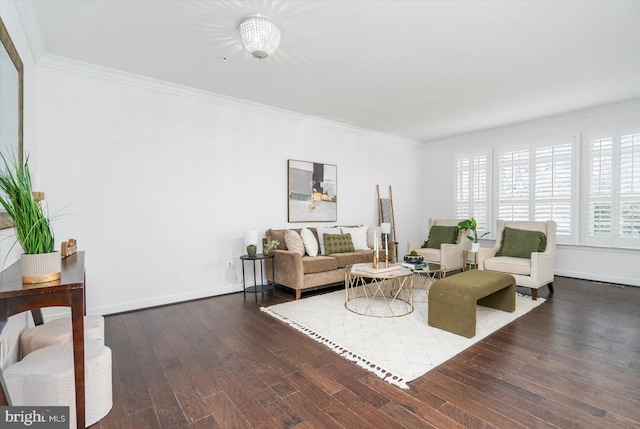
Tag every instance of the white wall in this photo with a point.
(158, 187)
(603, 264)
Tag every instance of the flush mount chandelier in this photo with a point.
(260, 35)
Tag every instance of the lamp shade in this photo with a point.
(251, 237)
(260, 35)
(385, 228)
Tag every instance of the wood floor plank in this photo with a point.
(220, 362)
(325, 401)
(480, 404)
(242, 397)
(367, 411)
(421, 403)
(225, 413)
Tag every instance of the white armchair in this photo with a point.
(532, 273)
(448, 255)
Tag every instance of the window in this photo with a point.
(552, 184)
(535, 184)
(613, 194)
(513, 185)
(471, 189)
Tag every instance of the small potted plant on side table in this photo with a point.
(270, 246)
(471, 225)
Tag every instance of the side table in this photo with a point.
(429, 274)
(469, 260)
(16, 297)
(260, 260)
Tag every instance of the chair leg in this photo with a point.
(534, 294)
(550, 285)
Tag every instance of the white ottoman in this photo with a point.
(59, 331)
(46, 377)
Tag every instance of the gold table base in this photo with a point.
(427, 280)
(379, 295)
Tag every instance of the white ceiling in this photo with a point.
(418, 69)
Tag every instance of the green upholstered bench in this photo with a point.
(452, 300)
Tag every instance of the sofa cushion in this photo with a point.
(358, 236)
(294, 242)
(368, 254)
(310, 242)
(318, 264)
(337, 243)
(277, 234)
(349, 258)
(520, 243)
(325, 230)
(440, 234)
(508, 264)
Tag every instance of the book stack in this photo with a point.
(416, 266)
(369, 269)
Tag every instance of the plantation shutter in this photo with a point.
(513, 185)
(463, 169)
(535, 184)
(599, 206)
(479, 192)
(613, 202)
(471, 189)
(553, 180)
(629, 210)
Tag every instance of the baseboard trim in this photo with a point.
(598, 278)
(163, 300)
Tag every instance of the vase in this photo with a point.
(40, 268)
(475, 247)
(251, 250)
(265, 252)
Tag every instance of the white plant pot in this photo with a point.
(40, 268)
(475, 247)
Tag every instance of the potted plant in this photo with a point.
(39, 263)
(270, 246)
(471, 225)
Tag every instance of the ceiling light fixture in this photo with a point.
(260, 35)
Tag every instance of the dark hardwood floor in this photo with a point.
(573, 362)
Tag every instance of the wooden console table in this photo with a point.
(16, 297)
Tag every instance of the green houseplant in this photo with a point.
(270, 246)
(471, 225)
(39, 263)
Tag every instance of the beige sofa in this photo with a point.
(306, 272)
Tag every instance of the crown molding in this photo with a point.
(623, 106)
(99, 72)
(41, 58)
(29, 22)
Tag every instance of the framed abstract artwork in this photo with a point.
(313, 193)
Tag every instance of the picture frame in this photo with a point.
(312, 191)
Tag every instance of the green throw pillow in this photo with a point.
(338, 243)
(519, 243)
(442, 234)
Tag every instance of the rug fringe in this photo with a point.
(362, 362)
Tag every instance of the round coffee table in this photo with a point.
(378, 293)
(428, 275)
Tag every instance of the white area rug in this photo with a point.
(397, 349)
